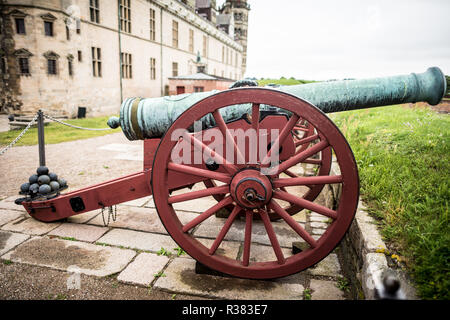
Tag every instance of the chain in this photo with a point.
(76, 127)
(19, 136)
(111, 213)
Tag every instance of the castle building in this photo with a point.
(60, 55)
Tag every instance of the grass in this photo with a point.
(282, 81)
(403, 157)
(56, 133)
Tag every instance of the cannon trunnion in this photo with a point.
(261, 156)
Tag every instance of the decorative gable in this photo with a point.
(48, 17)
(17, 14)
(22, 53)
(51, 55)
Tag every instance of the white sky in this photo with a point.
(335, 39)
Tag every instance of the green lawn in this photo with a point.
(282, 81)
(403, 156)
(56, 133)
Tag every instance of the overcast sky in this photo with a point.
(335, 39)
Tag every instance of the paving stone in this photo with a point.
(10, 215)
(141, 219)
(314, 217)
(81, 232)
(325, 290)
(30, 226)
(143, 268)
(181, 278)
(318, 231)
(329, 267)
(138, 240)
(227, 248)
(68, 255)
(137, 202)
(9, 240)
(11, 205)
(211, 227)
(260, 253)
(318, 225)
(83, 217)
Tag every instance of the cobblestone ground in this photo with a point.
(127, 249)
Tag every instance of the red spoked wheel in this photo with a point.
(239, 246)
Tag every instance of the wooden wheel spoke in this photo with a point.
(224, 229)
(305, 204)
(199, 194)
(301, 156)
(306, 140)
(293, 224)
(272, 236)
(208, 213)
(229, 140)
(247, 238)
(199, 172)
(204, 148)
(282, 136)
(307, 181)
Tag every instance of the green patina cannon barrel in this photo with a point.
(151, 117)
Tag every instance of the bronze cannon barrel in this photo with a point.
(143, 118)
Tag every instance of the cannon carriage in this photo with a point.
(245, 148)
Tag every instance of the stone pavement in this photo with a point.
(128, 249)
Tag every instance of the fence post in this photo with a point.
(40, 125)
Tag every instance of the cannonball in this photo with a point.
(54, 185)
(42, 170)
(53, 176)
(33, 179)
(34, 188)
(44, 189)
(44, 179)
(62, 182)
(25, 187)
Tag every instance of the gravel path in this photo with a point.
(81, 163)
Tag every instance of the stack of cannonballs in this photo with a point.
(44, 183)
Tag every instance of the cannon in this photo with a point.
(245, 149)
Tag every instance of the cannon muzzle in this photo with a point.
(151, 117)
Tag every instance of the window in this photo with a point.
(94, 11)
(152, 68)
(125, 15)
(223, 54)
(205, 46)
(24, 68)
(80, 56)
(127, 72)
(236, 60)
(174, 34)
(51, 66)
(96, 62)
(152, 25)
(3, 65)
(191, 40)
(48, 27)
(199, 89)
(174, 69)
(70, 64)
(20, 25)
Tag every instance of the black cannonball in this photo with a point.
(34, 188)
(44, 179)
(53, 176)
(33, 179)
(25, 187)
(42, 170)
(54, 185)
(62, 182)
(44, 189)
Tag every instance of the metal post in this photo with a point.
(41, 141)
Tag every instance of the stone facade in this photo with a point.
(59, 55)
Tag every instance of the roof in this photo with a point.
(223, 19)
(200, 76)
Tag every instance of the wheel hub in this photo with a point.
(251, 189)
